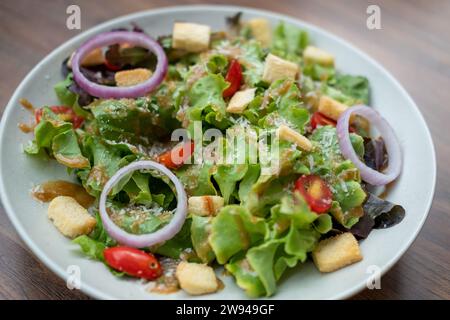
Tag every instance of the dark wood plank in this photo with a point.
(414, 44)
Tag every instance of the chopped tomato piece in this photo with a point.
(234, 77)
(64, 113)
(111, 66)
(134, 262)
(315, 191)
(175, 158)
(319, 119)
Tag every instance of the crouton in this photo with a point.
(276, 68)
(261, 30)
(69, 217)
(337, 252)
(288, 134)
(196, 278)
(128, 78)
(191, 37)
(240, 100)
(315, 55)
(331, 108)
(205, 205)
(93, 58)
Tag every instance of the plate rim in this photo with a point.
(98, 294)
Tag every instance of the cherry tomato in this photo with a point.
(134, 262)
(315, 191)
(319, 119)
(111, 66)
(234, 77)
(175, 158)
(64, 113)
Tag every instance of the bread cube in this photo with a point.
(261, 30)
(288, 134)
(128, 78)
(69, 217)
(276, 68)
(93, 58)
(205, 205)
(331, 108)
(191, 37)
(196, 278)
(240, 100)
(315, 55)
(337, 252)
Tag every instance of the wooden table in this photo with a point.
(414, 44)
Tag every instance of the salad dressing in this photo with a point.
(27, 105)
(49, 190)
(168, 282)
(24, 127)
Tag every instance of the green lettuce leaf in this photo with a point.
(196, 179)
(341, 174)
(67, 151)
(227, 176)
(233, 230)
(200, 231)
(127, 120)
(356, 87)
(207, 102)
(253, 57)
(246, 277)
(288, 105)
(90, 247)
(105, 158)
(65, 96)
(292, 232)
(179, 244)
(289, 41)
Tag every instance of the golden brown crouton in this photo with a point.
(261, 30)
(93, 58)
(196, 278)
(240, 100)
(337, 252)
(276, 68)
(69, 217)
(191, 37)
(331, 108)
(205, 205)
(288, 134)
(128, 78)
(316, 55)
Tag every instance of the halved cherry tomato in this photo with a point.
(65, 113)
(319, 119)
(315, 191)
(134, 262)
(234, 77)
(175, 158)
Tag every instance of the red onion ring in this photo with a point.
(392, 146)
(114, 37)
(145, 240)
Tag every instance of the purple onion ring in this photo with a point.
(114, 37)
(392, 146)
(144, 240)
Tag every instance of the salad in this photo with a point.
(245, 149)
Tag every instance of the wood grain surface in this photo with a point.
(413, 44)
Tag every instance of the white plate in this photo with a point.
(414, 189)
